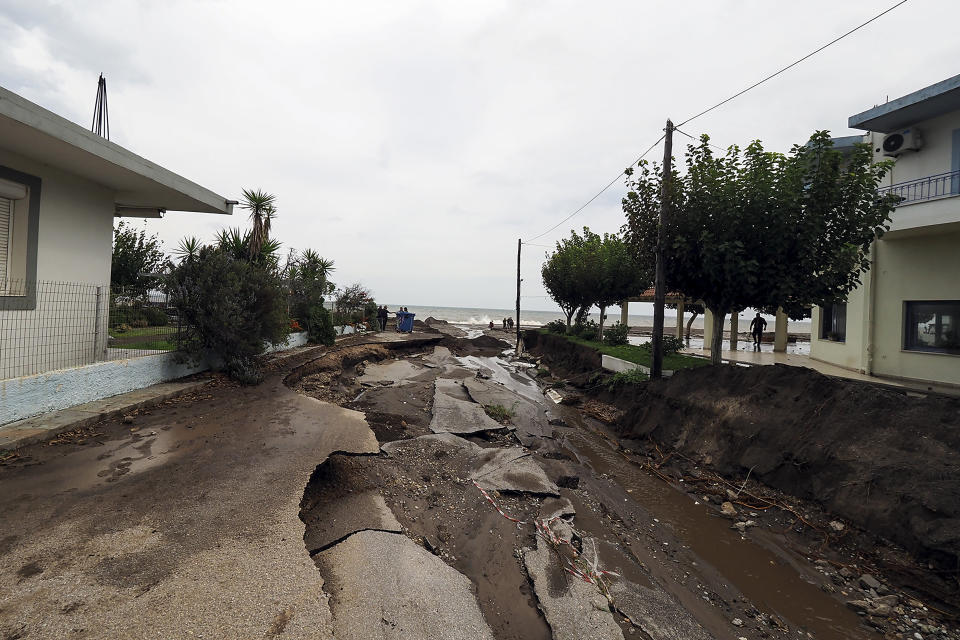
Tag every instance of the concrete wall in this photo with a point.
(76, 224)
(619, 365)
(32, 395)
(914, 269)
(939, 154)
(74, 239)
(850, 353)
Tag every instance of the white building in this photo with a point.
(60, 188)
(903, 322)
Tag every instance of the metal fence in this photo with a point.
(928, 188)
(46, 326)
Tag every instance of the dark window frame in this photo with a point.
(911, 341)
(833, 323)
(28, 301)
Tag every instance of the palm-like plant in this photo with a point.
(188, 249)
(262, 208)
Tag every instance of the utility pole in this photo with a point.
(519, 245)
(660, 285)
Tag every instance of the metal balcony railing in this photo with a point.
(940, 185)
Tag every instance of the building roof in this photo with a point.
(930, 102)
(36, 133)
(671, 297)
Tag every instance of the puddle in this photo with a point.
(766, 578)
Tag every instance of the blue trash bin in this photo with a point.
(405, 321)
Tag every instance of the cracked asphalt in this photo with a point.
(183, 524)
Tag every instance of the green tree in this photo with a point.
(761, 229)
(230, 309)
(621, 275)
(263, 209)
(570, 273)
(135, 254)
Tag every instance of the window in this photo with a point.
(932, 326)
(833, 322)
(19, 221)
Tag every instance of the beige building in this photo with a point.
(61, 187)
(903, 321)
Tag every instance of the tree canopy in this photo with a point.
(760, 229)
(135, 254)
(588, 269)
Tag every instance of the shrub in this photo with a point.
(557, 326)
(140, 323)
(231, 308)
(624, 378)
(671, 345)
(586, 330)
(616, 335)
(245, 371)
(155, 317)
(320, 326)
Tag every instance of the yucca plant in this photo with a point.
(262, 208)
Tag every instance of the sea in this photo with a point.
(477, 316)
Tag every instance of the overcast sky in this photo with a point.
(414, 142)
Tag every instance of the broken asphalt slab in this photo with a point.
(385, 586)
(511, 469)
(574, 609)
(451, 415)
(655, 612)
(335, 520)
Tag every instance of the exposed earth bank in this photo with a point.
(885, 460)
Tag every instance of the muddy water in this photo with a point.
(765, 578)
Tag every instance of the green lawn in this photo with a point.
(143, 331)
(638, 355)
(147, 345)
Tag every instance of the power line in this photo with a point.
(793, 64)
(695, 138)
(720, 104)
(600, 193)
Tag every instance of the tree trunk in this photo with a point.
(569, 315)
(689, 324)
(600, 329)
(716, 344)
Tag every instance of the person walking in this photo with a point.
(504, 324)
(382, 317)
(757, 325)
(510, 323)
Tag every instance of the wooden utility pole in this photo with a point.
(660, 285)
(519, 245)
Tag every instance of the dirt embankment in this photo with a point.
(568, 357)
(886, 461)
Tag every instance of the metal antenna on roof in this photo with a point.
(101, 117)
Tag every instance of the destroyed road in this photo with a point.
(428, 489)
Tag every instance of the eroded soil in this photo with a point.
(653, 517)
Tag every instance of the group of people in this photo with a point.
(383, 314)
(507, 323)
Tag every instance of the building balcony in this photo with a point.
(941, 185)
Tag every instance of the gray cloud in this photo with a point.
(414, 142)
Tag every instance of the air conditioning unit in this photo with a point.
(907, 140)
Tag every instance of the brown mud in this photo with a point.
(860, 477)
(736, 579)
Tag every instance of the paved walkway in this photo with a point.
(796, 360)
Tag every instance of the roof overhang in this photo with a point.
(933, 101)
(31, 131)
